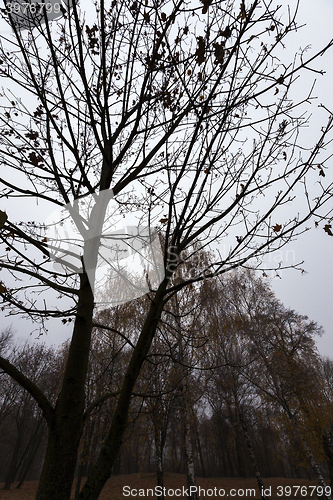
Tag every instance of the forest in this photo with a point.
(233, 387)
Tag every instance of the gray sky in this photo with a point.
(309, 293)
(312, 293)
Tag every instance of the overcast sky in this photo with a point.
(309, 293)
(312, 293)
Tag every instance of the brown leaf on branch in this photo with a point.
(206, 4)
(328, 230)
(243, 11)
(164, 220)
(227, 32)
(200, 52)
(219, 52)
(277, 228)
(321, 171)
(35, 160)
(3, 289)
(3, 218)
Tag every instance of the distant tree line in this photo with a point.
(233, 386)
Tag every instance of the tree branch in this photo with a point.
(29, 386)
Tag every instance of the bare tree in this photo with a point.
(155, 102)
(22, 424)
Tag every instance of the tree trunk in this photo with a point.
(328, 448)
(78, 479)
(101, 471)
(310, 457)
(34, 444)
(159, 460)
(66, 426)
(252, 457)
(190, 473)
(203, 469)
(13, 463)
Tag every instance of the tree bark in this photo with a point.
(159, 458)
(190, 472)
(203, 469)
(66, 427)
(328, 448)
(252, 457)
(310, 457)
(13, 463)
(32, 449)
(101, 471)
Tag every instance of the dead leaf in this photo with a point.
(3, 218)
(219, 52)
(164, 221)
(327, 229)
(243, 11)
(226, 33)
(277, 228)
(3, 289)
(200, 52)
(206, 4)
(321, 171)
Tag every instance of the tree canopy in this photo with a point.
(180, 113)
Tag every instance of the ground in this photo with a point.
(232, 488)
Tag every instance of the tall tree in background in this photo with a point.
(155, 101)
(287, 369)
